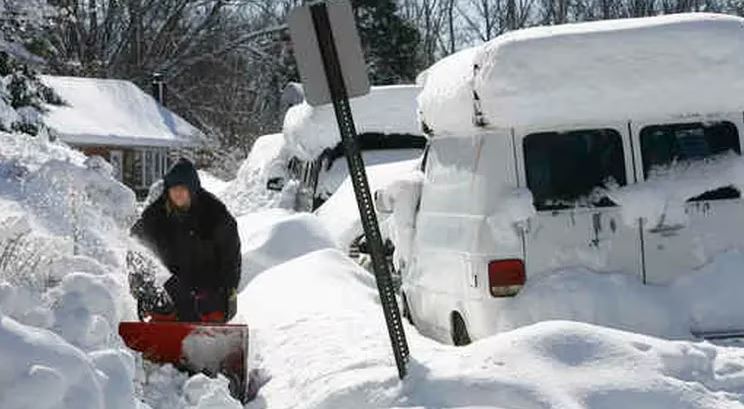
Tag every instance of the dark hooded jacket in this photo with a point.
(199, 246)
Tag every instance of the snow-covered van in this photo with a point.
(612, 146)
(388, 129)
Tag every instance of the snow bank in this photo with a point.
(212, 183)
(273, 236)
(113, 112)
(247, 193)
(36, 360)
(322, 342)
(63, 288)
(600, 71)
(389, 109)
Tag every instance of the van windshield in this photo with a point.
(567, 169)
(664, 145)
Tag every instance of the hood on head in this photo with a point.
(182, 173)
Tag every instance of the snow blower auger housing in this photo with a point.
(211, 348)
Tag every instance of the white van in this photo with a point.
(609, 145)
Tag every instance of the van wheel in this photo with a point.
(460, 336)
(406, 309)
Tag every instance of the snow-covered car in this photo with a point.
(388, 131)
(613, 146)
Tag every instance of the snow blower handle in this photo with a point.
(201, 305)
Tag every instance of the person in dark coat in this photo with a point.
(196, 238)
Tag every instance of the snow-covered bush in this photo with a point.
(22, 96)
(63, 287)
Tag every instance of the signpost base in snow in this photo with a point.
(322, 25)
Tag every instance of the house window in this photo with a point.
(149, 166)
(136, 168)
(663, 145)
(566, 169)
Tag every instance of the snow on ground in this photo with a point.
(212, 183)
(273, 236)
(599, 71)
(320, 340)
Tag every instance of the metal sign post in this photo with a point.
(323, 30)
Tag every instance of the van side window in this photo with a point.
(565, 169)
(663, 145)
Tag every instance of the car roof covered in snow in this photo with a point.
(386, 109)
(114, 113)
(674, 65)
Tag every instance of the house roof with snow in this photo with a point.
(386, 109)
(114, 113)
(647, 68)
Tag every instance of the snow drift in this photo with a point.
(322, 344)
(274, 236)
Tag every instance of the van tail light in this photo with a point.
(506, 277)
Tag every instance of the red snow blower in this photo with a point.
(209, 345)
(210, 348)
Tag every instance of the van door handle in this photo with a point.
(667, 229)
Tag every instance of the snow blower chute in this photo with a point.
(209, 346)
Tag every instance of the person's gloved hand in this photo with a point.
(232, 303)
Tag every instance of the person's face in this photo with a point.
(180, 196)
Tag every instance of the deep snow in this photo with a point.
(62, 286)
(318, 336)
(321, 341)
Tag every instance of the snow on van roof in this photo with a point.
(386, 109)
(655, 67)
(114, 113)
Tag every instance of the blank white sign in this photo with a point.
(348, 46)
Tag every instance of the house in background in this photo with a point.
(117, 120)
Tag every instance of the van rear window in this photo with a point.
(565, 169)
(663, 145)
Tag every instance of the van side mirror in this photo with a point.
(275, 184)
(383, 203)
